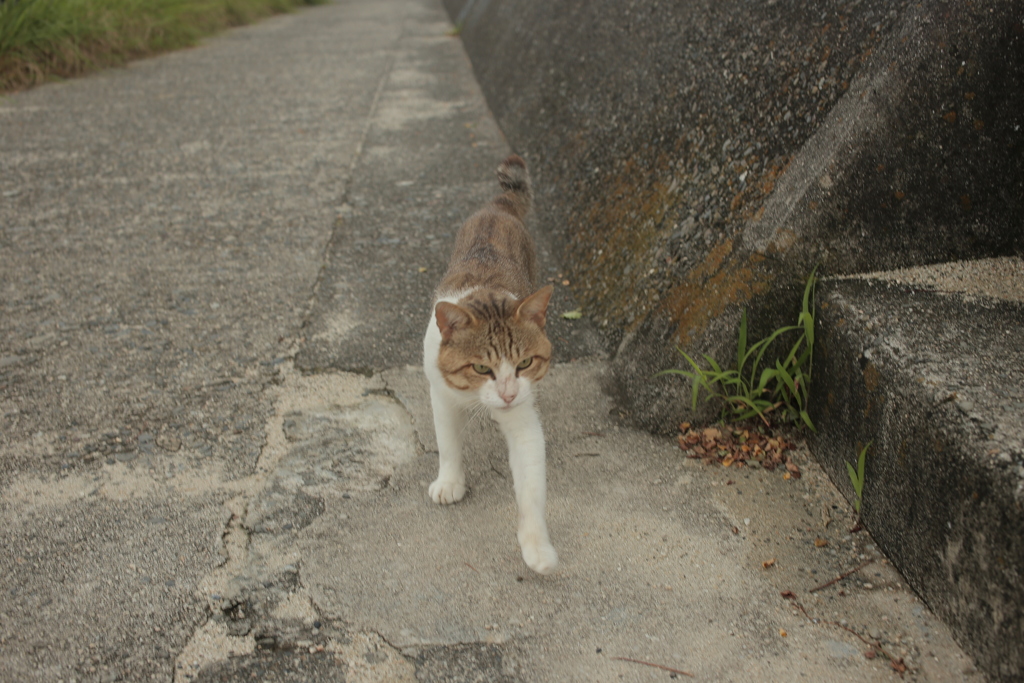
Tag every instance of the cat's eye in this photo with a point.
(525, 363)
(482, 369)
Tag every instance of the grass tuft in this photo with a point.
(45, 39)
(747, 389)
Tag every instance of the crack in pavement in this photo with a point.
(258, 602)
(334, 434)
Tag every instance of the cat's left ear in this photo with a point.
(535, 307)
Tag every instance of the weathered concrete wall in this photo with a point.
(696, 159)
(935, 383)
(693, 159)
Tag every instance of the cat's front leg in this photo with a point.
(449, 424)
(526, 458)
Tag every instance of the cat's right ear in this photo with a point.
(451, 317)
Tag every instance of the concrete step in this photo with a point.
(927, 366)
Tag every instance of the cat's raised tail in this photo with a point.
(515, 180)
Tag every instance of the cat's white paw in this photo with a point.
(447, 491)
(540, 557)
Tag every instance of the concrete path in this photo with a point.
(215, 440)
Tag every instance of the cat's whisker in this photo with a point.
(476, 411)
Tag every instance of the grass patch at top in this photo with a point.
(43, 39)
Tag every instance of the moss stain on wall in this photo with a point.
(628, 217)
(722, 280)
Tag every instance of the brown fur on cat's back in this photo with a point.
(493, 249)
(492, 270)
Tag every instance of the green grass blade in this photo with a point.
(755, 407)
(812, 280)
(785, 377)
(695, 392)
(856, 487)
(697, 379)
(803, 360)
(693, 363)
(861, 462)
(806, 320)
(767, 341)
(741, 348)
(807, 311)
(673, 371)
(767, 375)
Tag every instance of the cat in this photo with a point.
(486, 346)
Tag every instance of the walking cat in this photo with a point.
(485, 346)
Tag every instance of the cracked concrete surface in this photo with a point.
(216, 439)
(662, 557)
(332, 433)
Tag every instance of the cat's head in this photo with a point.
(494, 345)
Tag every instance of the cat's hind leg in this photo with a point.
(449, 423)
(526, 458)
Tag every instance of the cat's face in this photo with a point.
(495, 346)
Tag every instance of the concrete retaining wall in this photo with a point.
(696, 159)
(934, 383)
